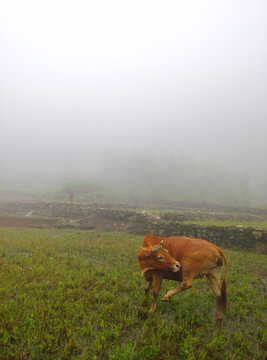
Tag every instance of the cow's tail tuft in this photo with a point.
(223, 292)
(223, 286)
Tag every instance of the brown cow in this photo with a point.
(197, 258)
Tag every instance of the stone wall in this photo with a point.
(170, 223)
(228, 236)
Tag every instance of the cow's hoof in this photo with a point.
(165, 298)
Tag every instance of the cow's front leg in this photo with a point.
(148, 284)
(157, 281)
(185, 284)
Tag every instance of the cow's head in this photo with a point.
(159, 257)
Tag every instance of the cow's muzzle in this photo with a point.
(176, 266)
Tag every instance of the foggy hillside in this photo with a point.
(151, 99)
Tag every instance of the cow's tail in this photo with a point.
(223, 285)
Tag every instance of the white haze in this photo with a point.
(82, 77)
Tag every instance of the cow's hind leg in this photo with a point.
(157, 281)
(185, 284)
(214, 281)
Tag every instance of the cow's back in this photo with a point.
(181, 246)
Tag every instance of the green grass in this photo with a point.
(254, 224)
(67, 294)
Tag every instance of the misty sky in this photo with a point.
(79, 77)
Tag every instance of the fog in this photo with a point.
(86, 84)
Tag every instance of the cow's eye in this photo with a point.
(160, 257)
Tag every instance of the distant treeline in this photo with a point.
(173, 176)
(140, 176)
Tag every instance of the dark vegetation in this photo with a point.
(71, 294)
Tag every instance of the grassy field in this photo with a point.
(68, 294)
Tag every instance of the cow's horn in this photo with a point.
(156, 248)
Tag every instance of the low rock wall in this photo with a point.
(228, 236)
(85, 216)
